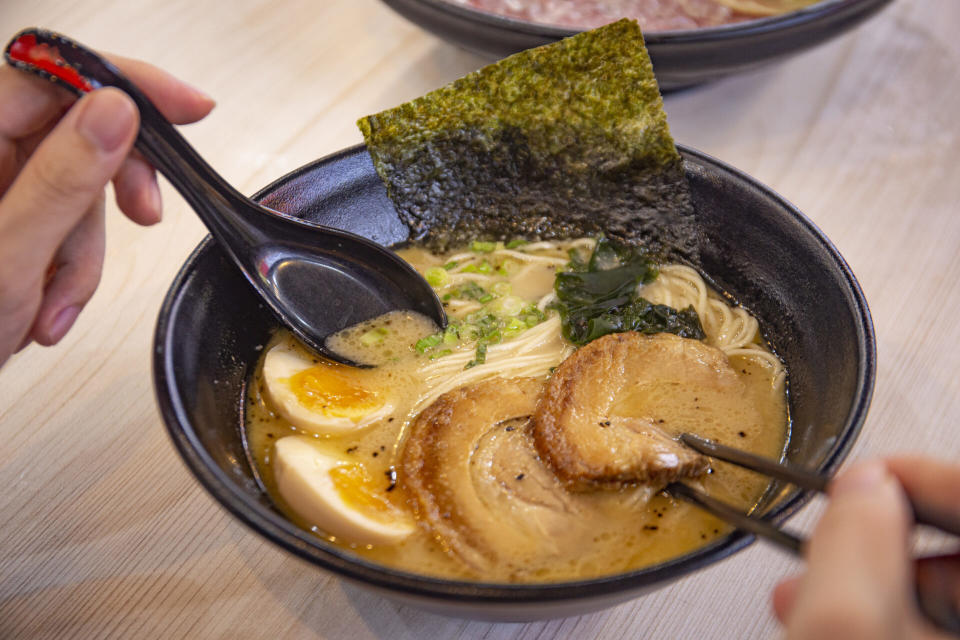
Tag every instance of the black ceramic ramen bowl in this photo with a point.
(756, 247)
(680, 58)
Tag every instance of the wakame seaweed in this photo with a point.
(601, 297)
(565, 140)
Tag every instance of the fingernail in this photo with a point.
(866, 476)
(63, 321)
(107, 119)
(205, 96)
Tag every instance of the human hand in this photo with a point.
(56, 157)
(860, 579)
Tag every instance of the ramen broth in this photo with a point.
(626, 528)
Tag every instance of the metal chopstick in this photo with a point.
(725, 512)
(805, 479)
(779, 470)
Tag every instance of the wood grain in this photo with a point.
(105, 534)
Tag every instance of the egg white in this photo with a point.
(279, 365)
(302, 472)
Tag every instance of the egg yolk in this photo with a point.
(361, 492)
(333, 390)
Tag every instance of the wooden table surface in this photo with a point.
(106, 534)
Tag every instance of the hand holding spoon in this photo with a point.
(317, 280)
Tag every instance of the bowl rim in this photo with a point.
(273, 526)
(747, 28)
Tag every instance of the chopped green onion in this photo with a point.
(533, 316)
(482, 247)
(470, 268)
(501, 289)
(485, 267)
(471, 289)
(481, 356)
(480, 317)
(514, 327)
(507, 306)
(440, 354)
(516, 242)
(450, 265)
(451, 335)
(428, 343)
(486, 298)
(437, 276)
(373, 337)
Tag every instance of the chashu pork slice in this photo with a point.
(608, 416)
(476, 481)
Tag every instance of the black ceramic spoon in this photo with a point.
(316, 279)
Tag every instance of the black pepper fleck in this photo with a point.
(519, 476)
(742, 434)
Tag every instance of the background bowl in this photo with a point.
(680, 58)
(756, 246)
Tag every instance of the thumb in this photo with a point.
(58, 185)
(858, 573)
(67, 173)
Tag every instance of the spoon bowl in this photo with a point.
(316, 279)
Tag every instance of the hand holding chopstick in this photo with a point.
(858, 567)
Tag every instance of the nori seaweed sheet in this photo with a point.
(566, 140)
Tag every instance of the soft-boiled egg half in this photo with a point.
(338, 496)
(322, 396)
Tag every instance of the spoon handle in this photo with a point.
(71, 65)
